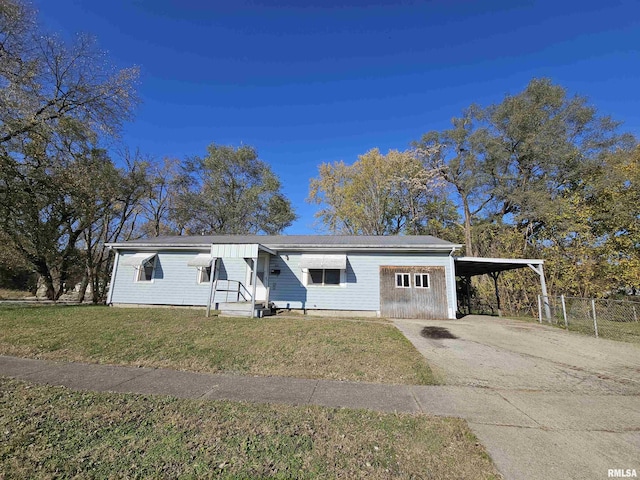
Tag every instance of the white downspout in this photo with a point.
(452, 286)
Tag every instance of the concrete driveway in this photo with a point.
(546, 403)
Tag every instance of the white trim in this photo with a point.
(112, 282)
(212, 286)
(254, 283)
(200, 272)
(421, 275)
(138, 271)
(403, 285)
(368, 248)
(519, 261)
(268, 250)
(452, 288)
(263, 263)
(275, 248)
(157, 246)
(306, 278)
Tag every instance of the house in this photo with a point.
(391, 276)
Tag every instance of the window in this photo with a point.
(143, 264)
(324, 276)
(421, 280)
(204, 274)
(145, 271)
(403, 280)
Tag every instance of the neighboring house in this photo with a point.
(392, 276)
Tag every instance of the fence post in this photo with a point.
(539, 309)
(595, 322)
(635, 315)
(547, 307)
(564, 312)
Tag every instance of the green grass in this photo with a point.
(184, 339)
(52, 432)
(621, 331)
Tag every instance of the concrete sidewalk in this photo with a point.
(293, 391)
(481, 406)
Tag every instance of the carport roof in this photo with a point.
(471, 266)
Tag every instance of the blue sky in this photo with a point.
(312, 82)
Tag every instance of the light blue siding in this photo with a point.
(233, 269)
(175, 283)
(362, 290)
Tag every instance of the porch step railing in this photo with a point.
(232, 290)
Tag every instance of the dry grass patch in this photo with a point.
(51, 432)
(622, 331)
(8, 294)
(336, 349)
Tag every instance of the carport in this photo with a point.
(467, 267)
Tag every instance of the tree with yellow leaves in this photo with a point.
(382, 195)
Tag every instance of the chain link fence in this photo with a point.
(612, 319)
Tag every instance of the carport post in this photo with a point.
(495, 276)
(543, 286)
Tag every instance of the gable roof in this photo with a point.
(297, 242)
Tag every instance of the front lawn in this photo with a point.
(184, 339)
(52, 432)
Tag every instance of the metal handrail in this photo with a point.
(239, 289)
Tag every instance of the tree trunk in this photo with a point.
(101, 275)
(59, 286)
(46, 278)
(96, 294)
(51, 291)
(83, 288)
(467, 227)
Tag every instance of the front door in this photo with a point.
(262, 275)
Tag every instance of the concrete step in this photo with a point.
(238, 306)
(242, 309)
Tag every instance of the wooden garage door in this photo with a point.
(403, 293)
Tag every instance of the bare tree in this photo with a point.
(56, 103)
